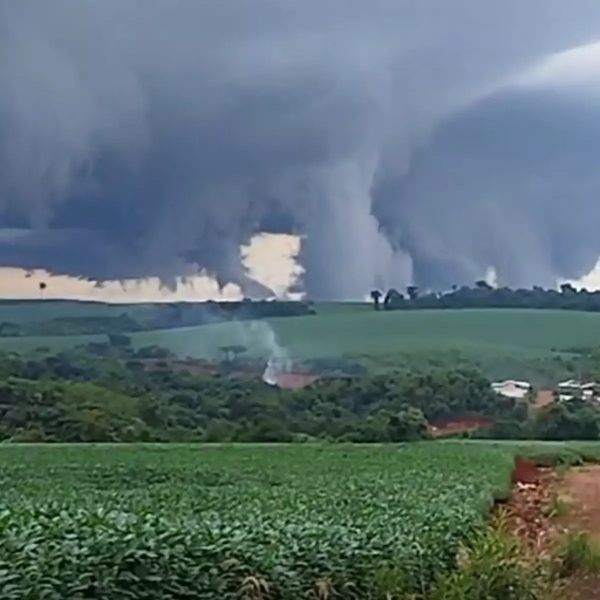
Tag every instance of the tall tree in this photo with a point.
(413, 292)
(376, 297)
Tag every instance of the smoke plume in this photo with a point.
(261, 340)
(426, 141)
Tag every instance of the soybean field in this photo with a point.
(219, 522)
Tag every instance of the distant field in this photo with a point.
(25, 311)
(353, 330)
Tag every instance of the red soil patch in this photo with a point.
(580, 488)
(525, 471)
(295, 381)
(454, 426)
(526, 508)
(543, 398)
(527, 517)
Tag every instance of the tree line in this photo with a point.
(483, 295)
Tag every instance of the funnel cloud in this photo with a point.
(404, 141)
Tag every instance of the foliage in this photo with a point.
(577, 551)
(573, 419)
(112, 392)
(485, 296)
(493, 566)
(221, 522)
(115, 393)
(556, 507)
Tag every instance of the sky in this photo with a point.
(269, 258)
(145, 142)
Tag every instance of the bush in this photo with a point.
(577, 551)
(493, 567)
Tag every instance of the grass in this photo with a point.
(556, 507)
(577, 552)
(357, 331)
(493, 566)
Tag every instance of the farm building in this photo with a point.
(512, 388)
(570, 389)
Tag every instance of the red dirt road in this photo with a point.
(543, 398)
(533, 490)
(580, 487)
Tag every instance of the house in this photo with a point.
(511, 388)
(570, 389)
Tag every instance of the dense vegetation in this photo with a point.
(232, 522)
(485, 296)
(102, 393)
(114, 393)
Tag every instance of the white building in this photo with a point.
(567, 390)
(511, 388)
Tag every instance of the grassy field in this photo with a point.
(200, 522)
(26, 311)
(357, 331)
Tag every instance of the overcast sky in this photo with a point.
(404, 141)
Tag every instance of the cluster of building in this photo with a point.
(573, 389)
(564, 391)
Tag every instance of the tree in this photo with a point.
(42, 287)
(233, 352)
(119, 340)
(407, 424)
(571, 420)
(413, 292)
(567, 288)
(393, 299)
(376, 296)
(483, 285)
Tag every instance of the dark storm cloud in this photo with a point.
(512, 183)
(152, 137)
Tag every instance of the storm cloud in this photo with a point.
(405, 141)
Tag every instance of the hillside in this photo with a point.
(355, 331)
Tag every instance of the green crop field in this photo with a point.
(508, 332)
(526, 332)
(211, 522)
(24, 311)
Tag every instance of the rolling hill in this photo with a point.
(352, 330)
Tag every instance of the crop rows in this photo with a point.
(238, 521)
